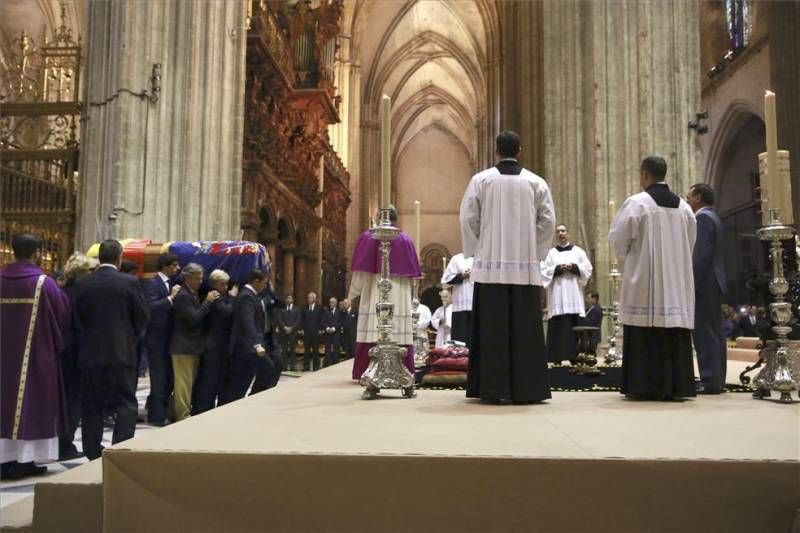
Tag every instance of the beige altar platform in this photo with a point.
(311, 456)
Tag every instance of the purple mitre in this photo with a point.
(403, 260)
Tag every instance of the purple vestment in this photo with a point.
(403, 261)
(43, 413)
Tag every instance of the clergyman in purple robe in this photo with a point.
(34, 316)
(366, 267)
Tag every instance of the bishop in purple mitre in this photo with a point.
(366, 267)
(35, 317)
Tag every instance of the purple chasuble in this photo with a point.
(403, 261)
(43, 413)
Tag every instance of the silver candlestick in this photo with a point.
(420, 340)
(614, 352)
(387, 369)
(777, 373)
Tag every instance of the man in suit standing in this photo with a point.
(709, 286)
(332, 325)
(349, 328)
(311, 322)
(748, 323)
(110, 313)
(160, 292)
(288, 324)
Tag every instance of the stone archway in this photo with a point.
(734, 176)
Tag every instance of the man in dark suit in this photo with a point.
(332, 326)
(160, 293)
(594, 317)
(709, 286)
(247, 337)
(288, 320)
(269, 369)
(110, 313)
(349, 328)
(748, 323)
(311, 322)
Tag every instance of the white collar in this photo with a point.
(163, 277)
(107, 265)
(248, 286)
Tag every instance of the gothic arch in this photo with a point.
(738, 113)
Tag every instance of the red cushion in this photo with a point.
(451, 363)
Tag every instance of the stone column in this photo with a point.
(623, 82)
(288, 270)
(523, 78)
(170, 169)
(784, 47)
(300, 291)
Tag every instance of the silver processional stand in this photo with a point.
(387, 369)
(614, 351)
(779, 372)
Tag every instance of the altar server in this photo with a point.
(457, 275)
(35, 315)
(507, 223)
(442, 320)
(566, 270)
(404, 267)
(653, 235)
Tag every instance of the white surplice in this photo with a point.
(462, 292)
(442, 322)
(494, 208)
(424, 319)
(365, 285)
(655, 246)
(565, 292)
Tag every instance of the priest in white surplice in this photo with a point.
(507, 223)
(457, 275)
(653, 235)
(566, 270)
(442, 320)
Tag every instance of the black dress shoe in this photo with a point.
(158, 423)
(14, 470)
(68, 455)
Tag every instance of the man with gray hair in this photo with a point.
(188, 342)
(311, 322)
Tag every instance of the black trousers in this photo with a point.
(209, 382)
(72, 391)
(349, 344)
(333, 345)
(311, 353)
(288, 344)
(562, 342)
(462, 327)
(161, 381)
(507, 359)
(244, 367)
(709, 342)
(111, 388)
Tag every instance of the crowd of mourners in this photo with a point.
(202, 340)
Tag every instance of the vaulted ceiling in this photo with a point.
(430, 56)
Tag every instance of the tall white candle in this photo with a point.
(771, 125)
(417, 220)
(386, 152)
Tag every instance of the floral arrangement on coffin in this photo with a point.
(448, 366)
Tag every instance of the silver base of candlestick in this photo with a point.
(779, 372)
(613, 354)
(386, 368)
(420, 338)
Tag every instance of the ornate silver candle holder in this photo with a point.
(778, 374)
(420, 339)
(613, 354)
(387, 369)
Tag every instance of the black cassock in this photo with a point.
(507, 357)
